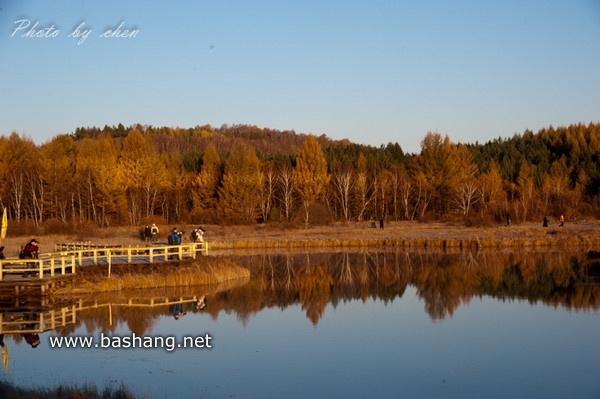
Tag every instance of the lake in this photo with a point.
(358, 324)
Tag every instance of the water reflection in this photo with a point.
(27, 319)
(443, 281)
(371, 308)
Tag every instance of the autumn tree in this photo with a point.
(343, 182)
(239, 194)
(99, 193)
(267, 190)
(57, 159)
(363, 191)
(286, 189)
(206, 183)
(384, 180)
(21, 174)
(143, 175)
(555, 190)
(310, 174)
(527, 191)
(405, 188)
(442, 167)
(489, 191)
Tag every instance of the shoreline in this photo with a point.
(414, 235)
(579, 234)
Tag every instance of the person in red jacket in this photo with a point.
(30, 250)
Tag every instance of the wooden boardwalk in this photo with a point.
(66, 260)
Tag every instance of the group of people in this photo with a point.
(178, 311)
(545, 221)
(150, 234)
(561, 221)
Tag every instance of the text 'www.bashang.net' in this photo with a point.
(169, 343)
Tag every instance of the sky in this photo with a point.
(373, 72)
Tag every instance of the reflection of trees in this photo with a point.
(444, 281)
(343, 273)
(313, 283)
(443, 286)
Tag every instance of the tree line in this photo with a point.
(245, 174)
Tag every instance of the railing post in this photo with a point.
(108, 259)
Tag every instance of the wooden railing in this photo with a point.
(65, 261)
(49, 266)
(143, 254)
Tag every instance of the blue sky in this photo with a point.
(370, 71)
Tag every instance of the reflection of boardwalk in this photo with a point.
(67, 259)
(24, 322)
(39, 319)
(140, 302)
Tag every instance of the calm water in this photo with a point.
(347, 325)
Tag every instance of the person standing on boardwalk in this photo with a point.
(561, 220)
(147, 233)
(174, 237)
(154, 232)
(545, 223)
(381, 223)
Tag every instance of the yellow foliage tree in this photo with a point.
(310, 173)
(57, 159)
(206, 183)
(143, 174)
(99, 189)
(239, 197)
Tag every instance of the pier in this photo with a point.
(67, 258)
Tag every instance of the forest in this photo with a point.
(241, 174)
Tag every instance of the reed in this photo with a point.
(10, 391)
(528, 240)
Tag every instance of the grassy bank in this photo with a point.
(210, 270)
(584, 234)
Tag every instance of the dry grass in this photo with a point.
(9, 391)
(406, 235)
(354, 234)
(209, 270)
